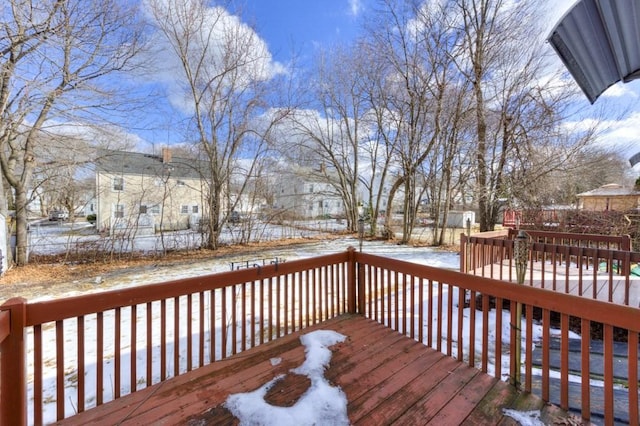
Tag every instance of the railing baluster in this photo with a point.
(224, 324)
(213, 331)
(498, 349)
(472, 325)
(585, 366)
(243, 315)
(564, 361)
(163, 340)
(608, 370)
(59, 370)
(439, 321)
(189, 336)
(201, 329)
(632, 352)
(176, 336)
(462, 295)
(99, 357)
(81, 363)
(286, 306)
(412, 316)
(133, 345)
(546, 341)
(149, 361)
(117, 353)
(234, 320)
(430, 314)
(37, 374)
(307, 297)
(485, 332)
(528, 349)
(253, 313)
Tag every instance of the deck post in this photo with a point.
(465, 253)
(13, 387)
(521, 257)
(351, 281)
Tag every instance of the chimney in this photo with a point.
(166, 155)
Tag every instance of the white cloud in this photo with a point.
(619, 90)
(355, 7)
(215, 43)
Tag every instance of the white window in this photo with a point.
(184, 209)
(118, 184)
(195, 209)
(118, 211)
(149, 209)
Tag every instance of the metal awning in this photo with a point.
(599, 43)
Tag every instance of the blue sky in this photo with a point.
(302, 26)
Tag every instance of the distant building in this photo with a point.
(148, 192)
(610, 197)
(304, 196)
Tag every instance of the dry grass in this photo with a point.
(57, 273)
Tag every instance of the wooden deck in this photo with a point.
(387, 378)
(544, 276)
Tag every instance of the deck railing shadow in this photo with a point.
(468, 317)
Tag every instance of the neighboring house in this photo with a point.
(610, 197)
(148, 193)
(306, 197)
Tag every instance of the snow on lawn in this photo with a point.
(420, 255)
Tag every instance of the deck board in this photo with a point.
(387, 378)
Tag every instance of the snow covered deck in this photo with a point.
(578, 281)
(386, 377)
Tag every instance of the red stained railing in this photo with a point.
(595, 266)
(462, 316)
(160, 331)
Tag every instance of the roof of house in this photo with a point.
(610, 190)
(123, 162)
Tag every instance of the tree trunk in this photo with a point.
(22, 232)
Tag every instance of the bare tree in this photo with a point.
(331, 134)
(55, 55)
(223, 78)
(518, 116)
(413, 40)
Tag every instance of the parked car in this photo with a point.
(58, 215)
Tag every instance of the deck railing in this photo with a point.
(474, 320)
(596, 266)
(82, 351)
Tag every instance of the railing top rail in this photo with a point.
(70, 307)
(572, 236)
(503, 233)
(593, 310)
(598, 252)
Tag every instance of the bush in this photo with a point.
(91, 218)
